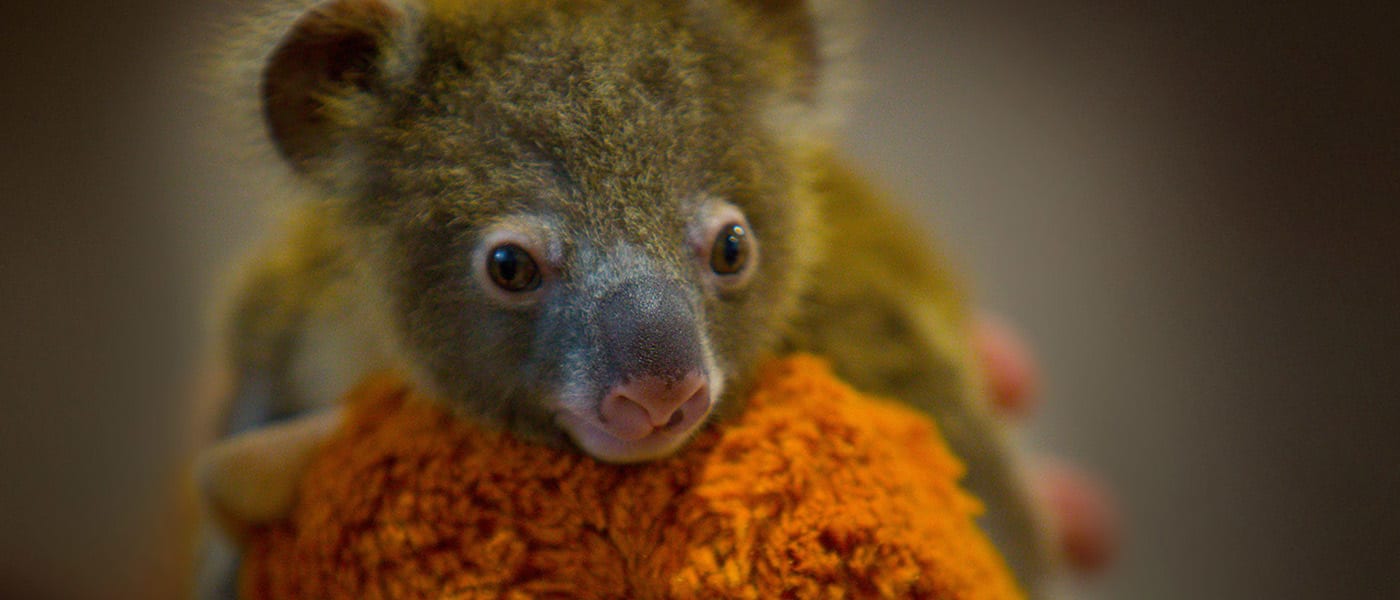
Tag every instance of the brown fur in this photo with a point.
(616, 121)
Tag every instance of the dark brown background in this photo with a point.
(1193, 211)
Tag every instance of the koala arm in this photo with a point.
(251, 478)
(893, 320)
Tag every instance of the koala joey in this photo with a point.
(585, 221)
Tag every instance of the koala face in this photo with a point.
(578, 217)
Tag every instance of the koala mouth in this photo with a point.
(619, 443)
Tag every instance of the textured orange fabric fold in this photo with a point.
(815, 491)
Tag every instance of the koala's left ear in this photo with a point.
(808, 36)
(791, 25)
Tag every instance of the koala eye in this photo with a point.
(731, 251)
(512, 268)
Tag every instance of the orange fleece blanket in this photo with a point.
(814, 492)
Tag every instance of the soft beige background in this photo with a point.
(1192, 211)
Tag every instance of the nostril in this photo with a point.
(625, 417)
(645, 405)
(675, 419)
(689, 412)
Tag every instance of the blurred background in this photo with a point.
(1191, 210)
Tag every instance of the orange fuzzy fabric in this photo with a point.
(814, 492)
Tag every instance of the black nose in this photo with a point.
(650, 328)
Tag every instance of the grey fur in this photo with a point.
(604, 132)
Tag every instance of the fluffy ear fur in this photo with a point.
(812, 42)
(793, 27)
(335, 51)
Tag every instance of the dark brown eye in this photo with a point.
(731, 251)
(512, 268)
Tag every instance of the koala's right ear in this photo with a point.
(336, 51)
